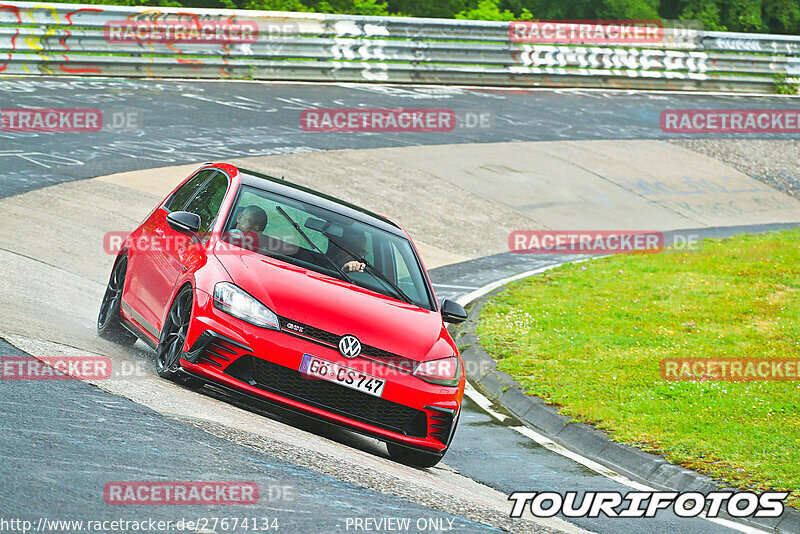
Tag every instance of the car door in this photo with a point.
(152, 269)
(206, 204)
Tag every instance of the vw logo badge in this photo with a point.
(349, 346)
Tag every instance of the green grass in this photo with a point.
(783, 86)
(589, 337)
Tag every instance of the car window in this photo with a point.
(389, 253)
(207, 201)
(411, 286)
(188, 190)
(278, 227)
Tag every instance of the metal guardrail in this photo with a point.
(73, 39)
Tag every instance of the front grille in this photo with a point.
(332, 340)
(309, 331)
(401, 362)
(330, 397)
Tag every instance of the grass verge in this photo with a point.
(589, 337)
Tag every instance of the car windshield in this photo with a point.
(264, 222)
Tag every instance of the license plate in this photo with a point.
(339, 374)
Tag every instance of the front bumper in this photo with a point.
(264, 364)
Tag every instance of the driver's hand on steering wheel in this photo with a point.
(351, 266)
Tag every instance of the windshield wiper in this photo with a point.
(374, 270)
(398, 292)
(308, 240)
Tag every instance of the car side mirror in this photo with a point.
(183, 221)
(453, 312)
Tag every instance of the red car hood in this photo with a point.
(338, 307)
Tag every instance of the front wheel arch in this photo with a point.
(174, 332)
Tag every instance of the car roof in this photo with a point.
(305, 194)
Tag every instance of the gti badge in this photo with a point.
(349, 346)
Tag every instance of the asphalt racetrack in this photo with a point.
(62, 441)
(191, 122)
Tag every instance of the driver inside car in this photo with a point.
(354, 241)
(251, 222)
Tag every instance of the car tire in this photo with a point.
(173, 338)
(109, 323)
(413, 457)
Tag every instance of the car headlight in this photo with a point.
(235, 301)
(444, 372)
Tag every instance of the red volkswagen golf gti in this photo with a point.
(289, 295)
